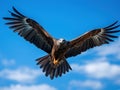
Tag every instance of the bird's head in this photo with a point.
(61, 41)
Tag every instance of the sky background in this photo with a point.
(96, 69)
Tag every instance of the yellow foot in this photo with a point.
(55, 62)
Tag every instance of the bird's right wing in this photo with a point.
(92, 39)
(30, 30)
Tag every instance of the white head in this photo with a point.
(60, 41)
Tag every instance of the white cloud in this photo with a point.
(117, 81)
(7, 62)
(85, 85)
(98, 69)
(32, 87)
(22, 75)
(111, 49)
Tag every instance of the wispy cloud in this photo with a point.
(6, 62)
(22, 75)
(117, 81)
(84, 85)
(111, 49)
(98, 69)
(32, 87)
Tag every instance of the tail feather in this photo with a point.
(52, 70)
(52, 74)
(40, 60)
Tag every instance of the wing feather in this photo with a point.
(92, 39)
(30, 30)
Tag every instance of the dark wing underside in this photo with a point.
(91, 39)
(30, 30)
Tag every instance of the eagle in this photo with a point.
(54, 64)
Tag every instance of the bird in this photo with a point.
(55, 64)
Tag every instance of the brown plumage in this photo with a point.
(54, 64)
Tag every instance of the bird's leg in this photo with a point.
(55, 62)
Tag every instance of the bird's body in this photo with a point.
(55, 64)
(59, 48)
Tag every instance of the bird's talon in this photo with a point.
(55, 62)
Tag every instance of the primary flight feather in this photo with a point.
(54, 64)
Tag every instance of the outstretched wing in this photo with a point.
(30, 30)
(91, 39)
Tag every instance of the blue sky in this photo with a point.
(96, 69)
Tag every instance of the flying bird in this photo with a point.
(54, 64)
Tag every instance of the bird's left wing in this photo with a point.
(30, 30)
(91, 39)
